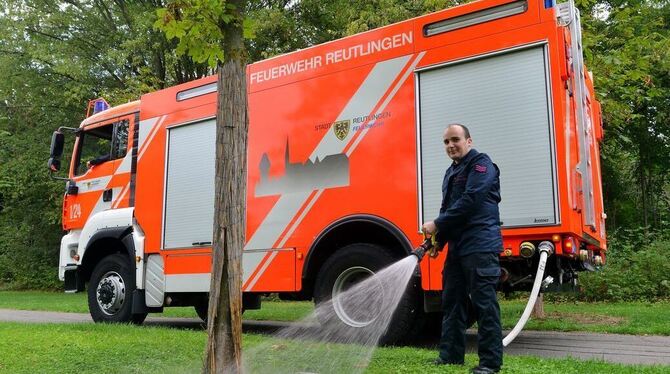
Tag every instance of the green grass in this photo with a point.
(77, 303)
(101, 348)
(622, 318)
(635, 318)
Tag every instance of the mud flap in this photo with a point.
(74, 282)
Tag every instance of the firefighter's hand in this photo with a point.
(429, 228)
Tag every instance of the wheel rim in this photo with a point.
(356, 309)
(111, 293)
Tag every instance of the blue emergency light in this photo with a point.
(99, 105)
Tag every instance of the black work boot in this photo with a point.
(483, 370)
(440, 361)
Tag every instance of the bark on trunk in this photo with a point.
(224, 325)
(538, 308)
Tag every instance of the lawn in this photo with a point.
(100, 348)
(636, 318)
(76, 303)
(622, 318)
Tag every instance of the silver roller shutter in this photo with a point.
(189, 195)
(503, 100)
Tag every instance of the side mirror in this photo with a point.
(57, 145)
(53, 164)
(57, 141)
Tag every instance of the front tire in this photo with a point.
(110, 291)
(347, 267)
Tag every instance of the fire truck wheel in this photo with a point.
(201, 309)
(110, 291)
(346, 267)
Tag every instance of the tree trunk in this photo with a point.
(223, 352)
(538, 308)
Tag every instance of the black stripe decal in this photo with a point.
(133, 164)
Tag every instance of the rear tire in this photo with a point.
(111, 289)
(349, 266)
(202, 309)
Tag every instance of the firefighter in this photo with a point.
(469, 222)
(99, 160)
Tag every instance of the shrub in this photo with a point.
(634, 272)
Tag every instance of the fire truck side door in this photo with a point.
(99, 152)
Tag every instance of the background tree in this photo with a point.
(212, 32)
(627, 45)
(54, 57)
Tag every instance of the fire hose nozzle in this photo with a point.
(419, 253)
(421, 250)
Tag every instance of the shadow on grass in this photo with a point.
(271, 327)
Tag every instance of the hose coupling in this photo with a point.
(527, 250)
(546, 246)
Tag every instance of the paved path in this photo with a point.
(626, 349)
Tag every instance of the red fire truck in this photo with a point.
(345, 162)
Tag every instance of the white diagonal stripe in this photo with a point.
(276, 221)
(373, 88)
(260, 272)
(124, 167)
(104, 205)
(387, 101)
(300, 217)
(120, 197)
(153, 130)
(145, 129)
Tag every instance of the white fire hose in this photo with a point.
(546, 248)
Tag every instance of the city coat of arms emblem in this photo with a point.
(341, 129)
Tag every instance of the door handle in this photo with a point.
(107, 195)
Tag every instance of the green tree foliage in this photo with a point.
(285, 25)
(54, 57)
(198, 26)
(627, 45)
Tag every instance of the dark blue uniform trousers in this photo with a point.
(477, 275)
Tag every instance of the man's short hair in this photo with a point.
(465, 129)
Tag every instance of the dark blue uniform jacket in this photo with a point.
(469, 219)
